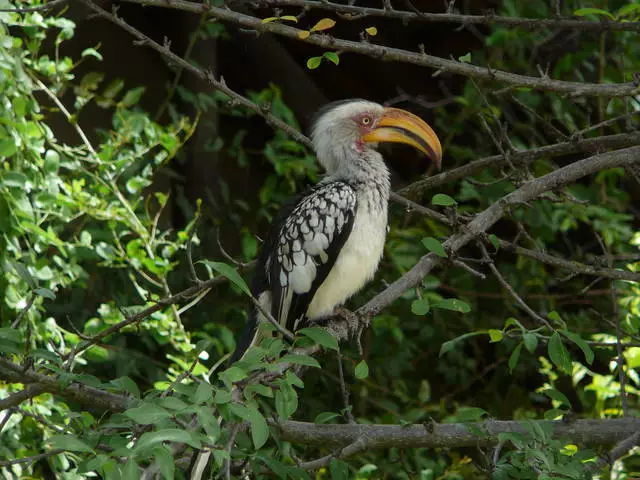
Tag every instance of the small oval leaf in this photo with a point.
(324, 24)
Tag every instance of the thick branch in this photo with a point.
(394, 54)
(525, 23)
(523, 157)
(456, 435)
(77, 391)
(485, 220)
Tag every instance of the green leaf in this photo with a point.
(24, 274)
(45, 292)
(558, 396)
(268, 19)
(453, 304)
(448, 346)
(558, 353)
(514, 357)
(70, 443)
(495, 335)
(164, 460)
(233, 374)
(14, 179)
(584, 346)
(91, 52)
(581, 12)
(332, 57)
(209, 422)
(434, 246)
(132, 97)
(7, 147)
(465, 58)
(420, 306)
(325, 417)
(443, 200)
(152, 439)
(314, 62)
(339, 470)
(259, 427)
(470, 414)
(320, 336)
(494, 241)
(286, 400)
(530, 341)
(424, 394)
(131, 470)
(289, 18)
(203, 393)
(299, 360)
(362, 370)
(229, 272)
(51, 161)
(125, 384)
(147, 413)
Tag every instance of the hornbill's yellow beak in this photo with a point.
(400, 126)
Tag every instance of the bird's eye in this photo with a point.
(365, 121)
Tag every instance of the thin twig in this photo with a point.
(24, 311)
(33, 458)
(344, 390)
(37, 8)
(507, 286)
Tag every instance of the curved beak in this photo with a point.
(400, 126)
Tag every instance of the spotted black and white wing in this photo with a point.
(309, 242)
(298, 253)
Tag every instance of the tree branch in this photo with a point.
(525, 23)
(78, 391)
(522, 157)
(206, 76)
(486, 219)
(455, 435)
(391, 54)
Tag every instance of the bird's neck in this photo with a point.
(368, 175)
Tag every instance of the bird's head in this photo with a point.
(349, 127)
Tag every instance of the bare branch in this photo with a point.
(382, 53)
(522, 157)
(510, 289)
(465, 20)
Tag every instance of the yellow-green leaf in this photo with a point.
(372, 31)
(314, 62)
(324, 24)
(304, 34)
(289, 18)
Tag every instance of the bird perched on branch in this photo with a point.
(325, 244)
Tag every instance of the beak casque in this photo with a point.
(396, 125)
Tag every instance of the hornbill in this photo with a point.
(325, 244)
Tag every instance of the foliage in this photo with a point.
(87, 242)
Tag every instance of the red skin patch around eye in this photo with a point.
(363, 129)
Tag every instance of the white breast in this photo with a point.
(356, 264)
